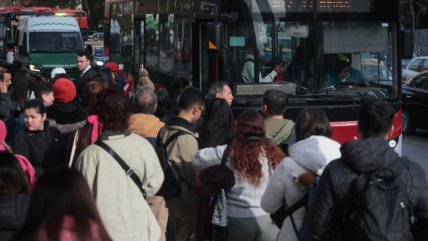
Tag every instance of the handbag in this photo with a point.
(156, 203)
(211, 185)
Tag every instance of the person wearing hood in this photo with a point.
(309, 155)
(41, 144)
(65, 113)
(375, 124)
(144, 122)
(279, 131)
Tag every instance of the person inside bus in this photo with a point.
(248, 69)
(343, 73)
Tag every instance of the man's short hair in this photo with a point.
(4, 71)
(42, 88)
(216, 87)
(376, 117)
(145, 101)
(189, 98)
(86, 54)
(276, 101)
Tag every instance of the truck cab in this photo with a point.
(47, 42)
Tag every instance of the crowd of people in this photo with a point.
(81, 160)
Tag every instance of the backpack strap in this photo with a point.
(175, 136)
(165, 145)
(128, 170)
(225, 155)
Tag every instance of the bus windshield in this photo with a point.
(341, 52)
(57, 42)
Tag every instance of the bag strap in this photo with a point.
(174, 136)
(73, 148)
(128, 170)
(165, 145)
(225, 155)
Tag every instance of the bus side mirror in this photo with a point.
(407, 39)
(22, 50)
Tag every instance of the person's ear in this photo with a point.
(194, 110)
(44, 116)
(264, 108)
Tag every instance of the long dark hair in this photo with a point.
(21, 86)
(12, 178)
(217, 123)
(250, 143)
(59, 194)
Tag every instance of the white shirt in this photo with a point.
(248, 71)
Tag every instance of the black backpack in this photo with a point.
(171, 187)
(378, 208)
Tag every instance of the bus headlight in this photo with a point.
(34, 68)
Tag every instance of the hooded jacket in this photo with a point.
(145, 125)
(364, 156)
(280, 131)
(66, 117)
(311, 154)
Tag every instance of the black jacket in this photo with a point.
(44, 149)
(82, 92)
(13, 209)
(325, 222)
(66, 117)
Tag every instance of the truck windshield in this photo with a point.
(57, 42)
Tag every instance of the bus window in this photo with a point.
(152, 41)
(276, 43)
(355, 53)
(166, 46)
(183, 62)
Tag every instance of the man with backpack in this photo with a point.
(180, 142)
(279, 131)
(371, 193)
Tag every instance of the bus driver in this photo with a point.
(248, 69)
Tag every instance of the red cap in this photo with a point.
(112, 66)
(64, 90)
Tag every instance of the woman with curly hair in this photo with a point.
(253, 159)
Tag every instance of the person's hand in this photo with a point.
(279, 68)
(3, 87)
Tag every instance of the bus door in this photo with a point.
(205, 70)
(139, 24)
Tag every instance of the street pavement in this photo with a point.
(415, 147)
